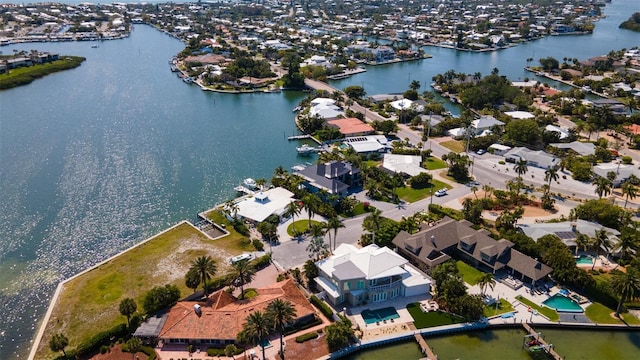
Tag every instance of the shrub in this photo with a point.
(306, 337)
(104, 349)
(261, 262)
(148, 350)
(92, 345)
(258, 244)
(324, 308)
(627, 160)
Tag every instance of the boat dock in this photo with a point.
(299, 137)
(547, 347)
(425, 348)
(244, 190)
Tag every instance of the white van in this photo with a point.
(241, 257)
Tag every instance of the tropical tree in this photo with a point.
(629, 191)
(232, 207)
(257, 329)
(486, 280)
(551, 174)
(600, 241)
(230, 351)
(134, 345)
(58, 342)
(628, 242)
(317, 248)
(582, 241)
(291, 210)
(127, 308)
(281, 313)
(603, 186)
(521, 167)
(192, 279)
(242, 273)
(206, 267)
(372, 222)
(627, 285)
(415, 85)
(334, 223)
(311, 204)
(474, 190)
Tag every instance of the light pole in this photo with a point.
(429, 131)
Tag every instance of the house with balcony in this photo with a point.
(334, 177)
(452, 239)
(356, 277)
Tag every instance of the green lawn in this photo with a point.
(453, 145)
(357, 210)
(372, 163)
(499, 308)
(601, 314)
(410, 195)
(469, 274)
(551, 314)
(88, 304)
(433, 163)
(432, 318)
(300, 226)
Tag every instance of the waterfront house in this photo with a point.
(356, 277)
(485, 123)
(568, 231)
(335, 177)
(260, 206)
(351, 126)
(450, 238)
(370, 144)
(325, 108)
(218, 320)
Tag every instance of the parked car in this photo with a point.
(441, 192)
(242, 257)
(481, 151)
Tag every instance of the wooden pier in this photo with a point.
(425, 348)
(549, 350)
(299, 137)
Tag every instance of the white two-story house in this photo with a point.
(355, 277)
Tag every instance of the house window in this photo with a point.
(373, 282)
(395, 292)
(347, 285)
(380, 297)
(360, 284)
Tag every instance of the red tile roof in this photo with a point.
(222, 315)
(351, 126)
(634, 128)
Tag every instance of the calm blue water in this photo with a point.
(98, 158)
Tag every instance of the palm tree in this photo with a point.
(257, 328)
(474, 189)
(334, 223)
(372, 222)
(601, 240)
(603, 187)
(127, 308)
(582, 241)
(521, 167)
(281, 313)
(311, 203)
(627, 285)
(629, 191)
(206, 267)
(551, 174)
(317, 247)
(486, 280)
(292, 210)
(280, 172)
(628, 241)
(243, 273)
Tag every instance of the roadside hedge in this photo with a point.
(324, 308)
(261, 262)
(92, 345)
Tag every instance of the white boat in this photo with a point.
(305, 149)
(297, 108)
(249, 183)
(298, 167)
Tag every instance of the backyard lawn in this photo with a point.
(432, 318)
(498, 308)
(469, 274)
(551, 314)
(410, 195)
(601, 314)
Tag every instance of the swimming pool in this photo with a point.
(372, 316)
(562, 303)
(584, 260)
